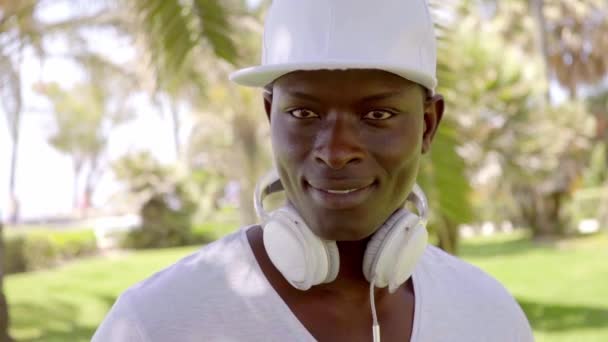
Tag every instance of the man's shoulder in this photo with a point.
(477, 301)
(201, 272)
(202, 295)
(457, 275)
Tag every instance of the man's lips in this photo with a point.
(339, 187)
(340, 194)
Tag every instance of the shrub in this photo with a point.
(14, 259)
(73, 244)
(41, 249)
(39, 252)
(166, 222)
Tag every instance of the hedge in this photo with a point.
(41, 249)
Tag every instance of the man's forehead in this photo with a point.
(378, 81)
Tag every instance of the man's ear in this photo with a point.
(267, 103)
(433, 113)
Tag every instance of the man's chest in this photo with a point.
(328, 321)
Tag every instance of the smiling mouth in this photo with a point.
(340, 196)
(339, 192)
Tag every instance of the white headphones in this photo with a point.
(305, 260)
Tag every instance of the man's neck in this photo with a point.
(350, 284)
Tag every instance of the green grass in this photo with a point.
(67, 304)
(563, 287)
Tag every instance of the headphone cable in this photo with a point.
(375, 325)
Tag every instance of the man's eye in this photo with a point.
(303, 114)
(378, 115)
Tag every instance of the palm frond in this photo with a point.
(448, 184)
(174, 28)
(215, 27)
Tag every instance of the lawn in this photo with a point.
(563, 287)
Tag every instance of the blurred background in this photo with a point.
(123, 148)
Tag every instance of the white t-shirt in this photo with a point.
(220, 294)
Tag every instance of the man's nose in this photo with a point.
(339, 142)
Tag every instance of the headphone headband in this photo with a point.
(271, 183)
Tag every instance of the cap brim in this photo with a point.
(260, 76)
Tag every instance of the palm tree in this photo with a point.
(16, 32)
(571, 41)
(82, 118)
(22, 30)
(570, 36)
(577, 43)
(174, 35)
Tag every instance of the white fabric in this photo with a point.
(392, 35)
(221, 294)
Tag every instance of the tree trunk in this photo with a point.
(86, 201)
(14, 124)
(4, 319)
(542, 215)
(89, 185)
(176, 127)
(77, 168)
(572, 89)
(447, 233)
(537, 8)
(14, 205)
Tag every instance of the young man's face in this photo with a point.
(347, 145)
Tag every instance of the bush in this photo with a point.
(169, 199)
(74, 244)
(166, 222)
(14, 258)
(40, 252)
(41, 249)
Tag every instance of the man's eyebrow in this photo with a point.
(302, 96)
(382, 96)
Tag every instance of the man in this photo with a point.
(349, 94)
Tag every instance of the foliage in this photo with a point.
(577, 41)
(520, 171)
(166, 222)
(242, 151)
(166, 200)
(568, 35)
(182, 26)
(590, 196)
(43, 249)
(23, 31)
(83, 117)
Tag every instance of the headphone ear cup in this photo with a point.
(301, 257)
(333, 257)
(395, 249)
(375, 244)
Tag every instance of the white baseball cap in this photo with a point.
(392, 35)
